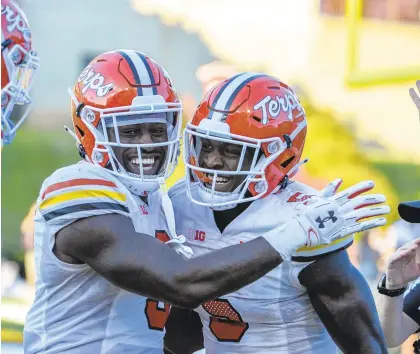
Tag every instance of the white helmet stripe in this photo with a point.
(225, 97)
(142, 72)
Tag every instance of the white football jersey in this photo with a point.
(76, 310)
(273, 314)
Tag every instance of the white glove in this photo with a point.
(323, 220)
(330, 189)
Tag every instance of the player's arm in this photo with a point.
(183, 332)
(343, 301)
(144, 265)
(396, 323)
(400, 314)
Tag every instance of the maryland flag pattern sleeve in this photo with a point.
(80, 191)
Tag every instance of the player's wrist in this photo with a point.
(287, 238)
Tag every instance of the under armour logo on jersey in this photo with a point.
(322, 222)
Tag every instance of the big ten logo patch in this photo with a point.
(197, 235)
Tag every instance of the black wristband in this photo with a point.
(389, 292)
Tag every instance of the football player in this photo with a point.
(105, 277)
(242, 146)
(18, 65)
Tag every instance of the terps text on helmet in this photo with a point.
(94, 81)
(274, 106)
(14, 20)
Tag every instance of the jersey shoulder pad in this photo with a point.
(79, 191)
(178, 188)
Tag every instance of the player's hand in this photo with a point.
(343, 213)
(415, 96)
(331, 189)
(404, 265)
(323, 220)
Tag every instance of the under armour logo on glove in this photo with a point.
(347, 211)
(321, 222)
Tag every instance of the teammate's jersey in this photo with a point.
(77, 311)
(273, 314)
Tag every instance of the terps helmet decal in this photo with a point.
(94, 81)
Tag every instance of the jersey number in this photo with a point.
(156, 311)
(226, 323)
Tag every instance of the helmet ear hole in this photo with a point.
(286, 163)
(81, 132)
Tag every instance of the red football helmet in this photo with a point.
(18, 65)
(263, 116)
(121, 88)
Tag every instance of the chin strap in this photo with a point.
(71, 132)
(176, 242)
(284, 183)
(79, 145)
(296, 167)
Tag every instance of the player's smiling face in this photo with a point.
(152, 158)
(221, 156)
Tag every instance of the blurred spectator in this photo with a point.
(402, 232)
(368, 256)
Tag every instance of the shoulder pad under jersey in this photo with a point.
(81, 190)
